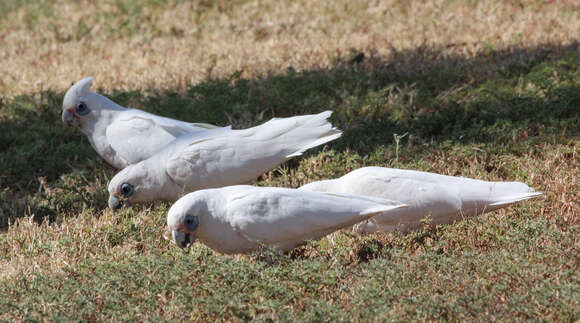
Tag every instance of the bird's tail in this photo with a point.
(362, 207)
(298, 134)
(510, 199)
(500, 194)
(376, 206)
(315, 131)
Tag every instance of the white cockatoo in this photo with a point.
(214, 158)
(444, 198)
(121, 136)
(240, 219)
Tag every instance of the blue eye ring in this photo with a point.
(190, 222)
(127, 190)
(82, 109)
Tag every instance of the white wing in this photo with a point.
(440, 194)
(137, 139)
(175, 127)
(136, 135)
(444, 198)
(239, 156)
(215, 162)
(278, 215)
(423, 196)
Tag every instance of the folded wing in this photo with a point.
(137, 135)
(240, 156)
(277, 215)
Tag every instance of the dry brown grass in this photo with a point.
(79, 239)
(65, 41)
(518, 263)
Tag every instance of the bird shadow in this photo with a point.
(431, 93)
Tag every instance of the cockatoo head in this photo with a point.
(134, 184)
(183, 218)
(75, 106)
(82, 108)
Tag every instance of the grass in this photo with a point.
(498, 107)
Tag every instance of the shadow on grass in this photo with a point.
(496, 97)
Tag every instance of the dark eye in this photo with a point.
(190, 222)
(126, 190)
(82, 109)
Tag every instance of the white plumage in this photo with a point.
(217, 158)
(120, 136)
(443, 198)
(238, 219)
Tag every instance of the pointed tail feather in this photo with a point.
(209, 126)
(316, 127)
(374, 211)
(379, 205)
(367, 215)
(510, 199)
(318, 142)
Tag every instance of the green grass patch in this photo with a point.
(512, 115)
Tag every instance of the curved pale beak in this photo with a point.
(182, 239)
(116, 203)
(69, 118)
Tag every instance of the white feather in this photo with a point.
(119, 135)
(444, 198)
(217, 158)
(238, 219)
